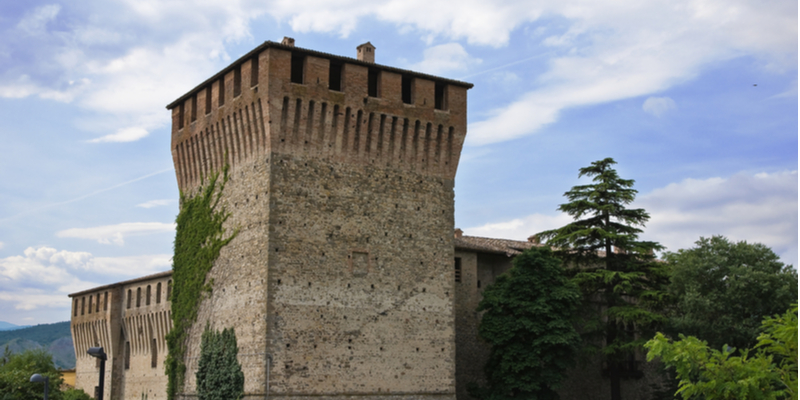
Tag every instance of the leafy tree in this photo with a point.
(528, 323)
(723, 290)
(219, 374)
(16, 372)
(620, 280)
(770, 374)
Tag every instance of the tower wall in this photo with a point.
(339, 282)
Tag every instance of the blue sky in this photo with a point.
(695, 99)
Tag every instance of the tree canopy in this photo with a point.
(617, 272)
(528, 322)
(722, 290)
(219, 374)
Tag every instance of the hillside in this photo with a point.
(55, 338)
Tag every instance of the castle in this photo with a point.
(345, 278)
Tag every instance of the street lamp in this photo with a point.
(39, 378)
(98, 352)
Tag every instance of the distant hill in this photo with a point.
(7, 326)
(55, 338)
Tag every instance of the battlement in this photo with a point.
(287, 100)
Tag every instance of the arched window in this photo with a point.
(97, 304)
(158, 293)
(129, 298)
(147, 297)
(75, 311)
(138, 297)
(83, 305)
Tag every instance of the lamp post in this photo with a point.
(45, 379)
(98, 352)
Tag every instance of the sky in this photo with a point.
(695, 99)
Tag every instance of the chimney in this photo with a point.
(287, 41)
(366, 52)
(458, 233)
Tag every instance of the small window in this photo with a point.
(440, 96)
(97, 304)
(75, 309)
(158, 293)
(237, 81)
(373, 82)
(194, 108)
(254, 71)
(458, 269)
(407, 82)
(222, 91)
(335, 76)
(90, 304)
(105, 301)
(298, 65)
(138, 297)
(129, 298)
(479, 284)
(83, 305)
(208, 100)
(147, 296)
(153, 354)
(127, 355)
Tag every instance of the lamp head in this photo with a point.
(39, 378)
(97, 352)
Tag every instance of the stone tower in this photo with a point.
(340, 280)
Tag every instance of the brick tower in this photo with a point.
(340, 280)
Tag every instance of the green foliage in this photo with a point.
(199, 238)
(75, 394)
(722, 375)
(528, 322)
(43, 334)
(219, 374)
(16, 372)
(723, 290)
(622, 284)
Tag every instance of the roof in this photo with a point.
(128, 282)
(271, 44)
(491, 245)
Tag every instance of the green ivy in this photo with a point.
(199, 238)
(219, 374)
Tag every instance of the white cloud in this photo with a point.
(444, 58)
(123, 135)
(156, 203)
(758, 208)
(115, 234)
(42, 277)
(35, 21)
(658, 106)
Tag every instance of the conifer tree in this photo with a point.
(621, 283)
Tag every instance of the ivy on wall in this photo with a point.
(219, 374)
(199, 238)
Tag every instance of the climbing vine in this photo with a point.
(199, 238)
(219, 374)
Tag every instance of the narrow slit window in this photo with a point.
(158, 293)
(97, 304)
(208, 100)
(127, 355)
(194, 108)
(105, 301)
(335, 76)
(373, 82)
(254, 71)
(83, 305)
(90, 304)
(129, 298)
(407, 82)
(181, 111)
(222, 91)
(147, 296)
(237, 81)
(298, 65)
(153, 353)
(138, 297)
(458, 270)
(75, 309)
(440, 96)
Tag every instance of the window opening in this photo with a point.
(153, 354)
(180, 116)
(298, 61)
(208, 100)
(147, 296)
(373, 79)
(127, 355)
(97, 303)
(158, 293)
(90, 304)
(222, 91)
(458, 269)
(440, 96)
(75, 309)
(194, 108)
(138, 297)
(83, 305)
(237, 81)
(129, 298)
(335, 76)
(479, 284)
(407, 82)
(254, 71)
(105, 301)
